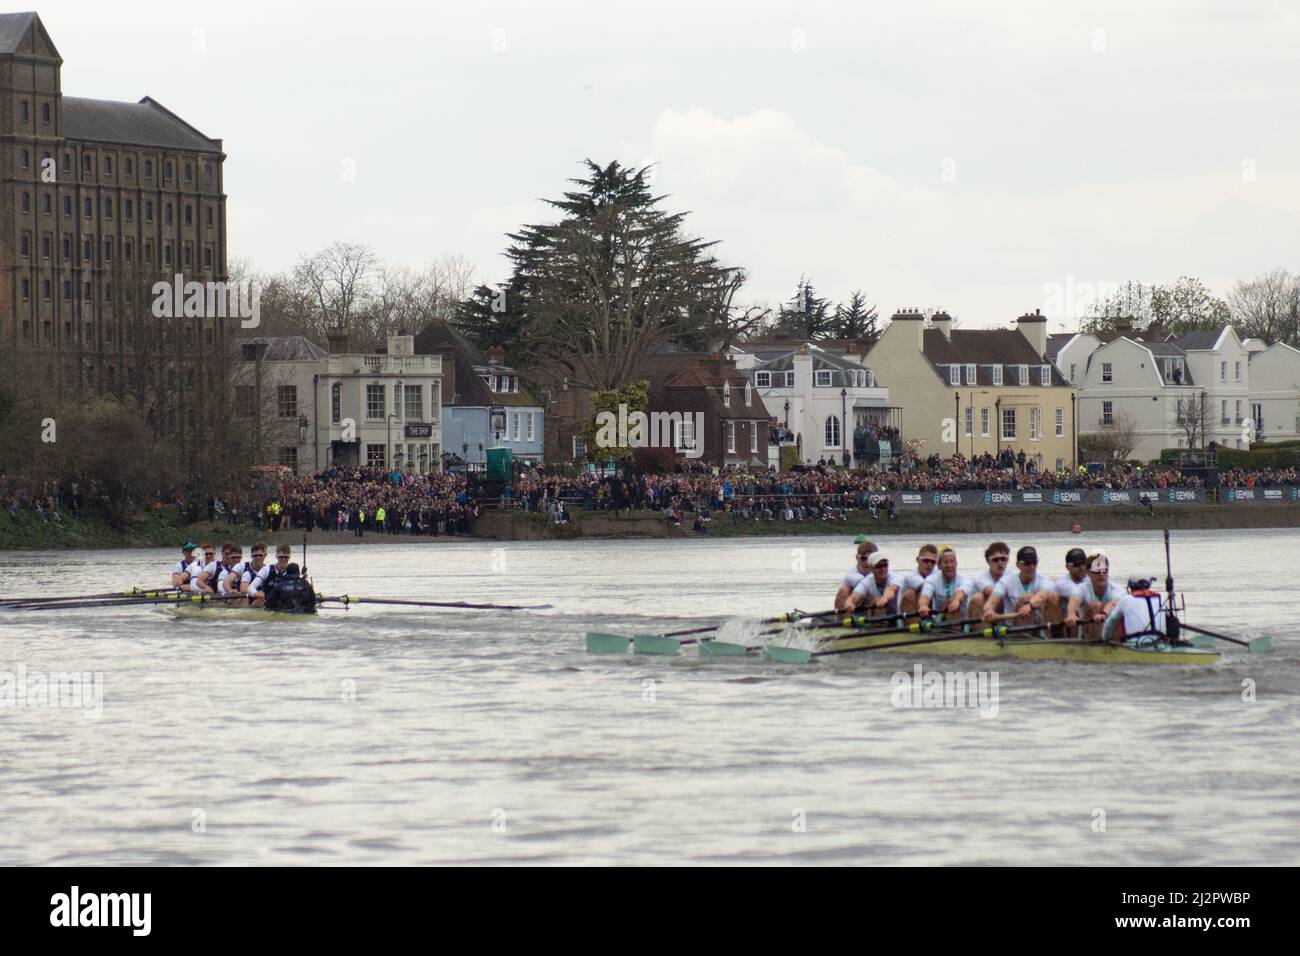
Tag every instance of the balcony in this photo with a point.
(384, 365)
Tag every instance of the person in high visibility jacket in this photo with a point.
(361, 520)
(380, 515)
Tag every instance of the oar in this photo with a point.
(52, 599)
(796, 655)
(142, 601)
(347, 599)
(1206, 638)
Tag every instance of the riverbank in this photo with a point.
(164, 529)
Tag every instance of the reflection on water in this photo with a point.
(387, 735)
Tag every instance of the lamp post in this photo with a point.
(956, 423)
(997, 428)
(844, 425)
(388, 454)
(1074, 434)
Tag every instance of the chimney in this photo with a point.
(916, 320)
(336, 342)
(448, 353)
(1034, 328)
(496, 355)
(401, 344)
(943, 322)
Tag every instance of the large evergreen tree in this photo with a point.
(856, 319)
(805, 316)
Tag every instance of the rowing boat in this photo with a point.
(840, 640)
(220, 612)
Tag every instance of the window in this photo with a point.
(832, 432)
(209, 211)
(997, 374)
(1060, 423)
(27, 289)
(749, 394)
(1045, 374)
(189, 215)
(24, 110)
(286, 400)
(167, 169)
(189, 172)
(1024, 375)
(763, 379)
(1223, 371)
(148, 211)
(24, 159)
(167, 214)
(67, 205)
(823, 378)
(86, 160)
(27, 201)
(374, 454)
(984, 422)
(1107, 373)
(532, 432)
(108, 208)
(970, 421)
(580, 447)
(414, 405)
(515, 430)
(88, 208)
(108, 166)
(731, 436)
(1073, 373)
(970, 374)
(1008, 424)
(686, 437)
(336, 403)
(45, 290)
(1257, 416)
(374, 401)
(129, 166)
(128, 211)
(148, 168)
(25, 245)
(1223, 413)
(1238, 371)
(1108, 413)
(45, 247)
(753, 438)
(1237, 418)
(1035, 424)
(45, 114)
(954, 374)
(289, 457)
(726, 394)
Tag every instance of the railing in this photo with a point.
(384, 364)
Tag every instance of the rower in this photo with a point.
(213, 570)
(1024, 594)
(878, 591)
(200, 566)
(913, 581)
(251, 569)
(856, 573)
(1076, 567)
(228, 581)
(264, 582)
(1094, 599)
(1138, 616)
(946, 592)
(181, 573)
(292, 593)
(996, 556)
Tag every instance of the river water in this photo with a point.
(387, 735)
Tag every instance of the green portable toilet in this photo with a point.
(500, 464)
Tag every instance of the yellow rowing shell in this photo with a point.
(843, 639)
(220, 612)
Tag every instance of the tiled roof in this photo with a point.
(1199, 340)
(984, 348)
(147, 123)
(471, 390)
(13, 28)
(705, 377)
(284, 348)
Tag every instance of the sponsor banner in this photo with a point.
(1067, 498)
(1259, 496)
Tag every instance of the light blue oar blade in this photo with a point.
(654, 644)
(786, 655)
(1202, 640)
(606, 643)
(1260, 644)
(722, 649)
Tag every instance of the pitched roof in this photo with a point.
(778, 359)
(13, 28)
(1055, 342)
(284, 348)
(147, 123)
(470, 388)
(706, 378)
(1199, 340)
(984, 348)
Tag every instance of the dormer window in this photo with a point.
(954, 374)
(726, 394)
(1045, 374)
(749, 394)
(997, 374)
(823, 379)
(970, 374)
(1024, 375)
(763, 379)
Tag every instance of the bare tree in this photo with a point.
(1193, 417)
(338, 281)
(1267, 307)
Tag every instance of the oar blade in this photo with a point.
(786, 655)
(1202, 640)
(607, 643)
(1260, 645)
(654, 644)
(722, 649)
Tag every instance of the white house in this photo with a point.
(823, 399)
(1274, 391)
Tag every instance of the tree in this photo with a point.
(1267, 307)
(592, 295)
(856, 320)
(1192, 415)
(337, 281)
(1126, 309)
(806, 315)
(1182, 307)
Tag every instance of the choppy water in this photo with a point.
(385, 735)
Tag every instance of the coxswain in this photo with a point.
(1094, 599)
(913, 581)
(947, 591)
(292, 593)
(996, 556)
(1023, 594)
(878, 591)
(181, 572)
(856, 573)
(1138, 616)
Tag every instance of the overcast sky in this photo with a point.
(983, 158)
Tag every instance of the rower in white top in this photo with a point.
(877, 593)
(181, 572)
(1025, 594)
(856, 574)
(207, 559)
(996, 556)
(913, 581)
(1076, 566)
(947, 591)
(1094, 599)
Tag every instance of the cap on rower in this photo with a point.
(1140, 581)
(1099, 562)
(1076, 556)
(188, 546)
(1027, 553)
(877, 557)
